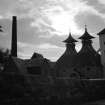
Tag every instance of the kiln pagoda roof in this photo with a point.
(70, 39)
(86, 35)
(67, 60)
(87, 56)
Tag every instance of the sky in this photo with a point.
(44, 24)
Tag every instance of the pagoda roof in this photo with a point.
(1, 29)
(86, 35)
(70, 39)
(101, 32)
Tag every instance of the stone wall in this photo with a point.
(40, 89)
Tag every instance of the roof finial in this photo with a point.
(69, 33)
(69, 30)
(70, 39)
(86, 35)
(85, 27)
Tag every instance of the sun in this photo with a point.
(64, 23)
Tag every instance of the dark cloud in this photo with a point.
(93, 22)
(97, 5)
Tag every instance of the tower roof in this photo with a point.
(67, 60)
(101, 32)
(86, 35)
(70, 39)
(1, 29)
(88, 56)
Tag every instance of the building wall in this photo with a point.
(90, 72)
(87, 72)
(67, 72)
(102, 47)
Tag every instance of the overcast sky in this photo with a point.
(44, 24)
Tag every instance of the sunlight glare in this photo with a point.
(64, 23)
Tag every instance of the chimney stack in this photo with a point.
(14, 37)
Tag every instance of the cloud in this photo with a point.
(26, 50)
(61, 16)
(43, 46)
(54, 58)
(23, 45)
(7, 8)
(94, 23)
(78, 46)
(42, 23)
(23, 55)
(101, 2)
(51, 17)
(48, 46)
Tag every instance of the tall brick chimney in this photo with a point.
(14, 37)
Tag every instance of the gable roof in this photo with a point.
(86, 35)
(101, 32)
(36, 55)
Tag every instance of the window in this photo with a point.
(34, 70)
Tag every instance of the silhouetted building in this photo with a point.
(88, 62)
(38, 65)
(84, 64)
(66, 62)
(36, 55)
(70, 45)
(14, 37)
(15, 65)
(102, 47)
